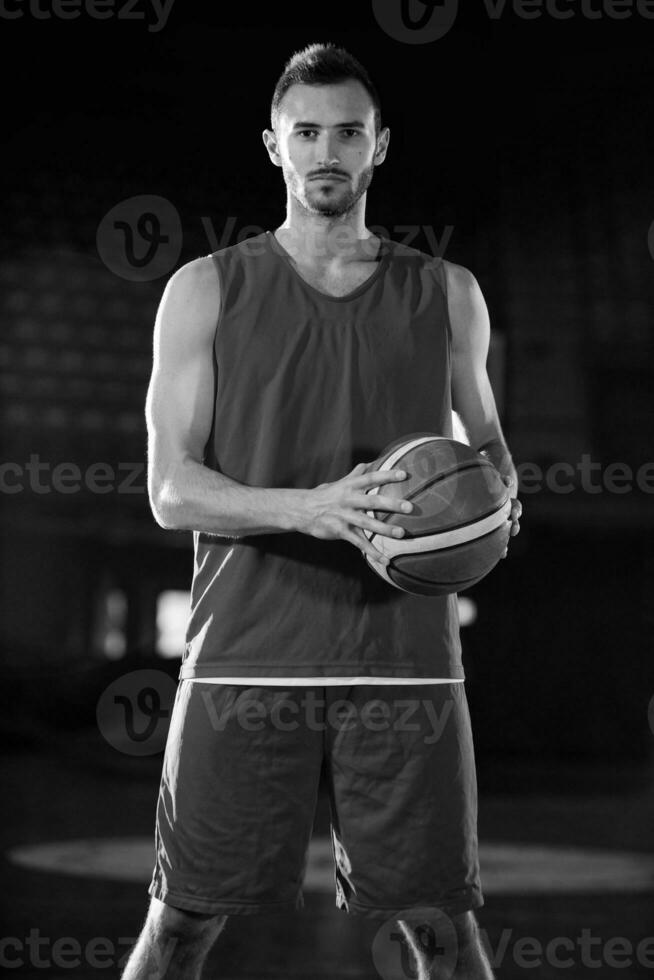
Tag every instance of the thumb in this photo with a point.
(512, 487)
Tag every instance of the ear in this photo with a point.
(270, 141)
(382, 146)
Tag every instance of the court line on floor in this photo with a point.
(506, 867)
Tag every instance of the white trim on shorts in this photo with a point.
(323, 681)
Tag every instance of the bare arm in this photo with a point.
(472, 395)
(184, 493)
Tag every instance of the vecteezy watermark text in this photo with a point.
(140, 238)
(42, 477)
(67, 952)
(432, 939)
(286, 714)
(94, 9)
(564, 952)
(586, 475)
(134, 712)
(566, 9)
(425, 21)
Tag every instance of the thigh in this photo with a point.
(404, 799)
(237, 799)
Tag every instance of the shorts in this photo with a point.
(239, 788)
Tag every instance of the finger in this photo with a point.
(360, 541)
(515, 529)
(377, 477)
(378, 501)
(512, 486)
(361, 520)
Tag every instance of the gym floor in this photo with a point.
(567, 853)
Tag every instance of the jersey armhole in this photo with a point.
(440, 273)
(221, 288)
(214, 356)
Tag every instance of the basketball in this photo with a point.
(459, 526)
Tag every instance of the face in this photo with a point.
(326, 146)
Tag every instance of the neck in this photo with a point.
(327, 239)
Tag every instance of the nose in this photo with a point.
(326, 154)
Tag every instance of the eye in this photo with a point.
(351, 132)
(305, 132)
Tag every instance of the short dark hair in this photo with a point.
(323, 64)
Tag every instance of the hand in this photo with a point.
(516, 508)
(338, 510)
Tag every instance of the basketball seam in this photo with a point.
(402, 543)
(444, 530)
(449, 547)
(386, 515)
(451, 527)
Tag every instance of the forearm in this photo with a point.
(498, 452)
(197, 498)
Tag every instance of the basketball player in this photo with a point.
(282, 367)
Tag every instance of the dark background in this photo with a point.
(532, 141)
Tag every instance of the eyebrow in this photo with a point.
(354, 124)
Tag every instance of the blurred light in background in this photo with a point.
(467, 610)
(173, 607)
(111, 624)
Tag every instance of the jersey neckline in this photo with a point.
(382, 262)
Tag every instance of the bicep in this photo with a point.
(472, 394)
(180, 399)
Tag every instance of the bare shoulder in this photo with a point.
(467, 308)
(461, 284)
(189, 309)
(195, 284)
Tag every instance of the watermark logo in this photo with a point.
(415, 21)
(417, 943)
(140, 239)
(133, 713)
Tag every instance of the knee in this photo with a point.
(182, 926)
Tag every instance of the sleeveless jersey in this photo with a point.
(307, 385)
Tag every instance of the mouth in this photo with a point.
(328, 177)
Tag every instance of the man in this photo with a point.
(278, 364)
